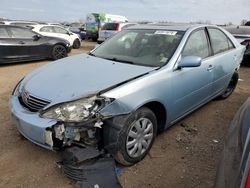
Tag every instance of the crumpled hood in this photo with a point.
(78, 76)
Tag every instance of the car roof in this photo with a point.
(45, 25)
(160, 26)
(16, 26)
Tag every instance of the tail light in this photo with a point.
(247, 185)
(118, 28)
(246, 42)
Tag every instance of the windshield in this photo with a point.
(140, 47)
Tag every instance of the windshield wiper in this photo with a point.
(120, 60)
(91, 54)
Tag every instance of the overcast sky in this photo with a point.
(217, 11)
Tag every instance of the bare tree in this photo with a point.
(243, 22)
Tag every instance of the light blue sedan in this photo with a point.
(117, 97)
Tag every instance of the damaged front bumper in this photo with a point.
(29, 124)
(50, 133)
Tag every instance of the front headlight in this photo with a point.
(75, 111)
(16, 90)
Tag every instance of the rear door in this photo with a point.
(224, 60)
(193, 86)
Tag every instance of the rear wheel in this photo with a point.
(76, 44)
(136, 137)
(231, 86)
(58, 52)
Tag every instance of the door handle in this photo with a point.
(21, 42)
(210, 67)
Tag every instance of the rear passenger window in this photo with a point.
(197, 45)
(220, 42)
(3, 33)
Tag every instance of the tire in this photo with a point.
(136, 137)
(76, 44)
(231, 87)
(94, 39)
(58, 52)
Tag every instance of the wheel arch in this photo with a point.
(60, 43)
(160, 112)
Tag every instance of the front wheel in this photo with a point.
(136, 137)
(76, 44)
(58, 52)
(231, 86)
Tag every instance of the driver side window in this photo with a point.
(21, 33)
(197, 45)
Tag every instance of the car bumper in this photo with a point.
(100, 40)
(30, 124)
(69, 49)
(92, 34)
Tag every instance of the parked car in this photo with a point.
(79, 32)
(60, 32)
(119, 96)
(79, 29)
(242, 34)
(234, 168)
(21, 44)
(110, 29)
(95, 21)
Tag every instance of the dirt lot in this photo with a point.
(186, 155)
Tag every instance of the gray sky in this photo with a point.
(217, 11)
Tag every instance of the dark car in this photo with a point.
(242, 34)
(21, 44)
(79, 32)
(78, 28)
(234, 169)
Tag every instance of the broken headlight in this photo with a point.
(75, 111)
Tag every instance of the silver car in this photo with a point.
(110, 29)
(139, 82)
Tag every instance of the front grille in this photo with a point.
(32, 102)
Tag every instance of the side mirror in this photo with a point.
(36, 37)
(70, 33)
(189, 61)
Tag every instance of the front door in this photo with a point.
(27, 47)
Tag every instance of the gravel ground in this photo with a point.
(186, 155)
